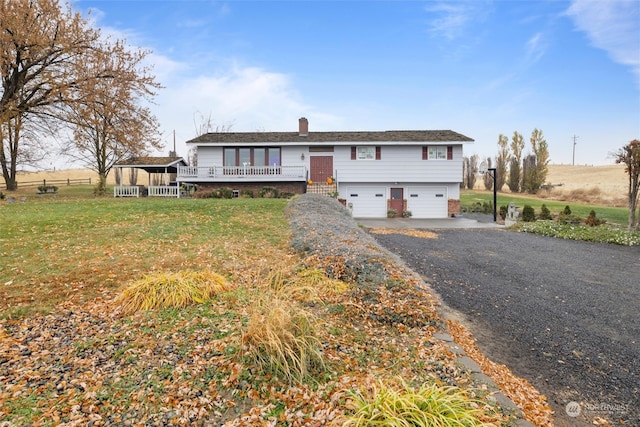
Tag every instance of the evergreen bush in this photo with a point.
(528, 214)
(545, 213)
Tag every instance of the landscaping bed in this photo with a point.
(360, 321)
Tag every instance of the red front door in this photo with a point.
(397, 200)
(321, 168)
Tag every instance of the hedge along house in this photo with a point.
(419, 171)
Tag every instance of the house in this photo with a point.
(419, 171)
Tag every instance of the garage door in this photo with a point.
(427, 202)
(367, 202)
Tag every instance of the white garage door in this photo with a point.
(367, 202)
(427, 202)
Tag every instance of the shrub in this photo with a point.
(281, 339)
(429, 405)
(1, 195)
(545, 213)
(165, 290)
(528, 214)
(406, 214)
(566, 210)
(268, 192)
(247, 193)
(392, 213)
(503, 212)
(592, 221)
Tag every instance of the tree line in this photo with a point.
(528, 173)
(64, 81)
(520, 172)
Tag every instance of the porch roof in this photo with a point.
(153, 164)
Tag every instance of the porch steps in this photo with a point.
(322, 188)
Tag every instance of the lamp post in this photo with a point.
(483, 169)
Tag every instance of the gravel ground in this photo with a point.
(562, 314)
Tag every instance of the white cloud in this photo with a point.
(244, 99)
(611, 25)
(536, 47)
(453, 18)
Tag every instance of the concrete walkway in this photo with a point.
(437, 223)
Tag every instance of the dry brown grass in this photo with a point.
(25, 176)
(601, 185)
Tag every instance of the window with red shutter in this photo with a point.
(449, 152)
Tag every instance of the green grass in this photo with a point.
(611, 214)
(74, 247)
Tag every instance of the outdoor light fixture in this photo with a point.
(302, 156)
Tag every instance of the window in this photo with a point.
(437, 152)
(251, 156)
(366, 153)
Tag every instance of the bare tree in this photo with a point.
(502, 161)
(629, 155)
(487, 179)
(470, 169)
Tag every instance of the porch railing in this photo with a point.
(126, 191)
(163, 191)
(222, 173)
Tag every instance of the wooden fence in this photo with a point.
(57, 182)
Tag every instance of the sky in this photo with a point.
(480, 68)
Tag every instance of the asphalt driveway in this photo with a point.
(563, 314)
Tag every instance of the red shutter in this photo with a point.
(449, 152)
(425, 153)
(378, 153)
(353, 153)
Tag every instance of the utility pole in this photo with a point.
(573, 163)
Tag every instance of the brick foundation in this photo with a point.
(454, 207)
(283, 187)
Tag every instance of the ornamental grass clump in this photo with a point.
(281, 339)
(429, 405)
(164, 290)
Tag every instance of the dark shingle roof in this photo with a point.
(150, 161)
(319, 137)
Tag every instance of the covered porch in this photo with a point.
(162, 172)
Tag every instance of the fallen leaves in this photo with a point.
(532, 403)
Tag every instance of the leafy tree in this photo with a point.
(529, 174)
(109, 124)
(540, 150)
(50, 61)
(515, 175)
(502, 161)
(629, 155)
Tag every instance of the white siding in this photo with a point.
(398, 164)
(209, 156)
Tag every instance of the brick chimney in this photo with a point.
(303, 126)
